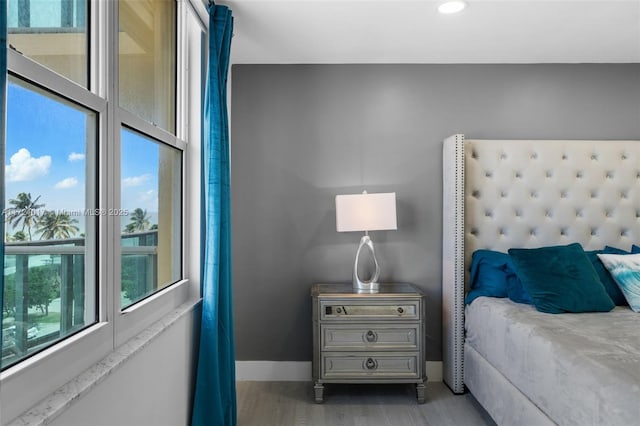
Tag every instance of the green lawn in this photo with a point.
(52, 318)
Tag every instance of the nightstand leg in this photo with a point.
(420, 392)
(319, 390)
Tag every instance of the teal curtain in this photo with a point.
(3, 109)
(215, 394)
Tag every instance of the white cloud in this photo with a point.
(23, 167)
(69, 182)
(147, 195)
(76, 156)
(136, 180)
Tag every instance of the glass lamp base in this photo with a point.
(371, 285)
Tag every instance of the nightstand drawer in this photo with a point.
(336, 337)
(370, 365)
(350, 310)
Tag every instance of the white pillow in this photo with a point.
(625, 270)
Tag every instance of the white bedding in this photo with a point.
(579, 369)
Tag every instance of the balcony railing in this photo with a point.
(28, 16)
(34, 267)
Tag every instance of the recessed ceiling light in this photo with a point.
(450, 7)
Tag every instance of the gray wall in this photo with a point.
(303, 133)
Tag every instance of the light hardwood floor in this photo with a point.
(292, 404)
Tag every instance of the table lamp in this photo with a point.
(366, 212)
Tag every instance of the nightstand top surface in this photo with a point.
(344, 289)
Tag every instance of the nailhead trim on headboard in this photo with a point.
(453, 262)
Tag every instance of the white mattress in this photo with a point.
(579, 369)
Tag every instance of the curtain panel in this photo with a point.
(215, 393)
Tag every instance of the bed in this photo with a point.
(524, 366)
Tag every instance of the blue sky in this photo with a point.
(139, 172)
(46, 152)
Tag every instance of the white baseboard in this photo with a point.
(300, 371)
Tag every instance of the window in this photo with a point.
(147, 60)
(98, 177)
(151, 202)
(53, 33)
(49, 284)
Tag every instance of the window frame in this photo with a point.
(91, 196)
(135, 318)
(32, 379)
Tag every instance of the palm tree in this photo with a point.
(139, 221)
(23, 211)
(54, 225)
(19, 236)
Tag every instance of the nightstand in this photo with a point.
(368, 337)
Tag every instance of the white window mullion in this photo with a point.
(98, 51)
(112, 173)
(199, 12)
(181, 71)
(195, 31)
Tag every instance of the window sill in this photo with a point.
(57, 402)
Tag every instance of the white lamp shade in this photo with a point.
(366, 212)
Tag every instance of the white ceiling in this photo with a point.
(412, 31)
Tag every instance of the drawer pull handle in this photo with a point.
(371, 336)
(371, 364)
(339, 310)
(400, 310)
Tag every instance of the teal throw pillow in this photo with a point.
(625, 269)
(613, 250)
(491, 274)
(560, 279)
(487, 275)
(635, 249)
(515, 288)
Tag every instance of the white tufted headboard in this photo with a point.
(520, 193)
